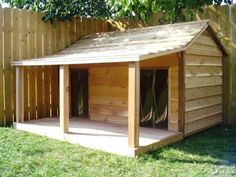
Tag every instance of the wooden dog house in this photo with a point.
(190, 52)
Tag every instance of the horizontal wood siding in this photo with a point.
(222, 19)
(203, 85)
(108, 89)
(108, 93)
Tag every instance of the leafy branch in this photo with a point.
(171, 10)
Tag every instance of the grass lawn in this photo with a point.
(211, 153)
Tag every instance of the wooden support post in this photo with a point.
(181, 113)
(64, 98)
(133, 104)
(19, 94)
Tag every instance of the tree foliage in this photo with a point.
(66, 9)
(171, 10)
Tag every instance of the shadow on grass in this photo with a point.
(214, 146)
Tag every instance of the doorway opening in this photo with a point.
(79, 93)
(154, 98)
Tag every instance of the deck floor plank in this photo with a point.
(108, 137)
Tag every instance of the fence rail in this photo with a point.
(24, 35)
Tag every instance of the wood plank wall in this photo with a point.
(108, 93)
(223, 20)
(203, 84)
(108, 89)
(24, 35)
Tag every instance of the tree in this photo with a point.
(66, 9)
(171, 10)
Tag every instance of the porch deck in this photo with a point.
(103, 136)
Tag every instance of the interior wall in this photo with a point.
(108, 89)
(171, 63)
(203, 85)
(108, 93)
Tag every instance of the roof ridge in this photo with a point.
(147, 27)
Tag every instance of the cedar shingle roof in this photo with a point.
(130, 45)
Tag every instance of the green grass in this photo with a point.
(211, 153)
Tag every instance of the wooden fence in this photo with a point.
(24, 35)
(223, 20)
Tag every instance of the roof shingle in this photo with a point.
(130, 45)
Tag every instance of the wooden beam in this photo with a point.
(133, 104)
(64, 98)
(181, 113)
(19, 94)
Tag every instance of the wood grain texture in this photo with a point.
(202, 92)
(201, 124)
(133, 104)
(200, 60)
(64, 98)
(173, 98)
(1, 69)
(203, 85)
(205, 50)
(128, 46)
(103, 136)
(224, 28)
(7, 87)
(24, 35)
(19, 94)
(202, 81)
(203, 112)
(108, 92)
(181, 93)
(108, 89)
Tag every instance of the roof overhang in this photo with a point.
(217, 40)
(74, 60)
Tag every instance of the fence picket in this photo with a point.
(23, 35)
(1, 68)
